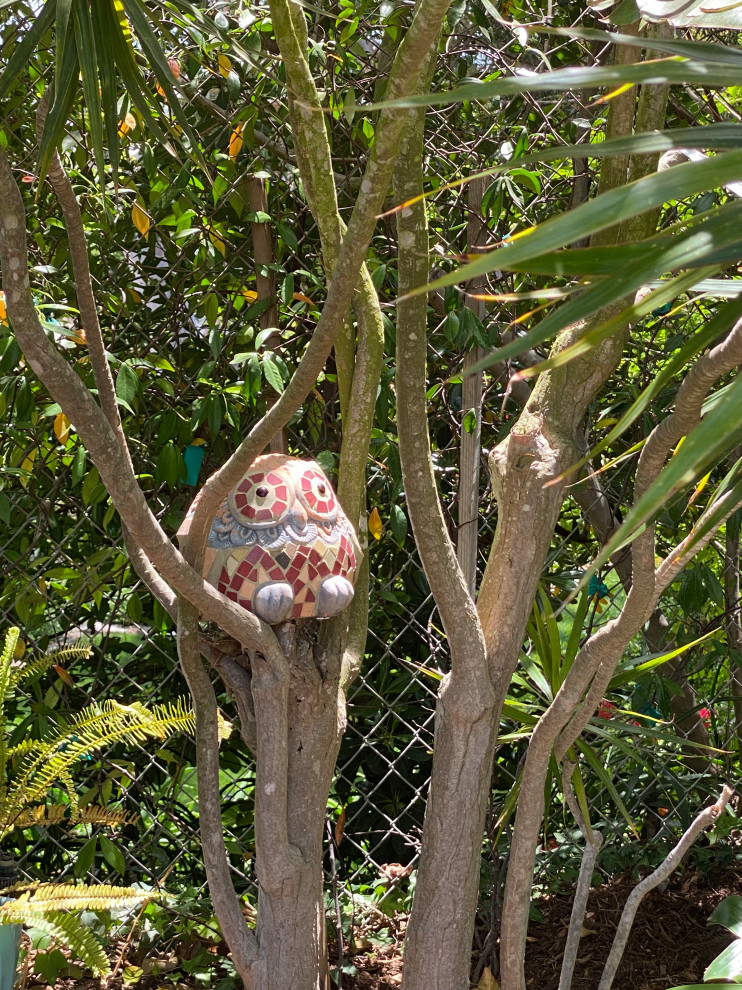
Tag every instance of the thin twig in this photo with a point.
(593, 842)
(336, 898)
(703, 821)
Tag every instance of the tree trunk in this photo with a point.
(291, 928)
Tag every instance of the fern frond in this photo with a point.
(11, 818)
(23, 748)
(94, 814)
(40, 664)
(66, 928)
(57, 814)
(6, 659)
(50, 897)
(94, 727)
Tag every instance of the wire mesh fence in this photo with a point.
(184, 299)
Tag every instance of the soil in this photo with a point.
(671, 943)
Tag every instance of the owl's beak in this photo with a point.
(298, 517)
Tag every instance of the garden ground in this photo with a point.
(671, 945)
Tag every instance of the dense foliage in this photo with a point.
(199, 351)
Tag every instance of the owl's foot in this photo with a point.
(273, 602)
(334, 595)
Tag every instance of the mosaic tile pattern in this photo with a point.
(281, 545)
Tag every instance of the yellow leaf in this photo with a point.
(616, 92)
(225, 65)
(250, 294)
(300, 297)
(127, 124)
(487, 980)
(698, 489)
(61, 427)
(27, 467)
(374, 524)
(20, 649)
(3, 311)
(235, 141)
(140, 218)
(218, 241)
(64, 675)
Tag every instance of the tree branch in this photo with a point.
(242, 941)
(98, 436)
(703, 821)
(402, 82)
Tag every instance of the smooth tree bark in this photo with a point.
(528, 470)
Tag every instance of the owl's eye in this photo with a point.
(261, 498)
(317, 496)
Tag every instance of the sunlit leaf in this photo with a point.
(694, 13)
(140, 217)
(62, 427)
(235, 140)
(375, 526)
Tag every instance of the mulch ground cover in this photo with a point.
(671, 943)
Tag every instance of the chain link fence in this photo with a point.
(182, 302)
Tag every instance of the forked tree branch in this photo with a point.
(408, 62)
(98, 436)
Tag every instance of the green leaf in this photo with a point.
(470, 421)
(4, 509)
(670, 70)
(271, 372)
(655, 660)
(65, 86)
(717, 433)
(598, 766)
(287, 236)
(108, 83)
(50, 965)
(693, 13)
(600, 213)
(287, 289)
(398, 524)
(86, 857)
(112, 854)
(92, 479)
(140, 21)
(78, 466)
(727, 965)
(123, 54)
(24, 47)
(451, 327)
(88, 59)
(134, 607)
(127, 385)
(729, 914)
(170, 467)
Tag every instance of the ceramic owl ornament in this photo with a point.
(281, 545)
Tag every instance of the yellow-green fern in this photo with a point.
(31, 768)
